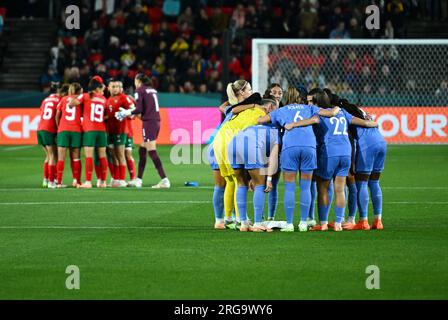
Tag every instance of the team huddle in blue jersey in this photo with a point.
(330, 144)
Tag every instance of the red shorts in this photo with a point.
(150, 130)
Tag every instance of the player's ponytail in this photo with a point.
(63, 90)
(93, 85)
(144, 79)
(234, 89)
(74, 89)
(353, 109)
(54, 87)
(322, 100)
(292, 95)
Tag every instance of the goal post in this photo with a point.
(376, 74)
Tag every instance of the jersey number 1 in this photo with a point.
(96, 112)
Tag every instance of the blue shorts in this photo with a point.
(371, 159)
(247, 156)
(298, 159)
(211, 157)
(330, 167)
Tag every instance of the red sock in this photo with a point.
(60, 170)
(52, 173)
(46, 170)
(111, 169)
(89, 169)
(98, 172)
(76, 169)
(116, 175)
(122, 172)
(103, 164)
(131, 168)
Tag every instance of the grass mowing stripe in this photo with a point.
(171, 251)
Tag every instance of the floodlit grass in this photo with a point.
(160, 244)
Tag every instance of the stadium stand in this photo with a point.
(179, 43)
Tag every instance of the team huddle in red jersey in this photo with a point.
(71, 119)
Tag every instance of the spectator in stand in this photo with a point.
(186, 17)
(2, 23)
(179, 46)
(252, 19)
(49, 77)
(395, 11)
(355, 30)
(94, 36)
(386, 80)
(339, 32)
(308, 21)
(202, 24)
(442, 91)
(128, 57)
(239, 16)
(388, 30)
(112, 54)
(218, 21)
(174, 49)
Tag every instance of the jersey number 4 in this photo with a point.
(339, 122)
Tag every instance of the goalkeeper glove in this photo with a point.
(122, 114)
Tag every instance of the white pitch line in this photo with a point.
(174, 202)
(16, 148)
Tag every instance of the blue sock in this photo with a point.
(330, 192)
(305, 199)
(363, 199)
(218, 202)
(290, 189)
(340, 213)
(313, 200)
(377, 197)
(241, 202)
(323, 212)
(259, 196)
(352, 200)
(273, 199)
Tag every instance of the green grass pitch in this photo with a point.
(160, 244)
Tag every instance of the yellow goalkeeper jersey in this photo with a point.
(229, 130)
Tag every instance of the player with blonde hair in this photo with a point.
(239, 94)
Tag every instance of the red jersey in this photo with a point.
(71, 116)
(94, 110)
(48, 113)
(114, 126)
(129, 131)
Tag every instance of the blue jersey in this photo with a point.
(366, 137)
(252, 146)
(332, 135)
(297, 137)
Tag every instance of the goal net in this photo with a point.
(372, 73)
